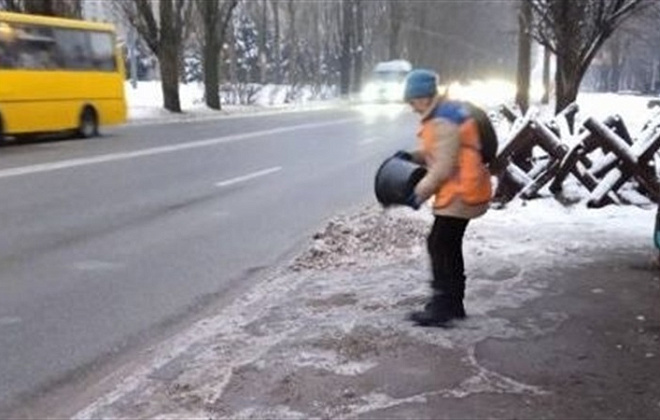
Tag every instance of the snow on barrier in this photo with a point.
(602, 157)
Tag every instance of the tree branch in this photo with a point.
(626, 9)
(228, 7)
(143, 20)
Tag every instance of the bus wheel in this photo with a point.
(89, 123)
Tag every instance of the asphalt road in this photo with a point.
(105, 240)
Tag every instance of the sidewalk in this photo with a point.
(564, 322)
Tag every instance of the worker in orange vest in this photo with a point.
(449, 147)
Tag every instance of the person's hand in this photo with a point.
(413, 201)
(402, 154)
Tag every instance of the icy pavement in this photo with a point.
(558, 299)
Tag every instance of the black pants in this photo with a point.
(445, 247)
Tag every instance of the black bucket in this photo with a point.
(396, 180)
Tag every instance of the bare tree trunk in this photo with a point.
(396, 20)
(263, 39)
(568, 77)
(523, 158)
(168, 56)
(617, 63)
(567, 81)
(654, 75)
(293, 44)
(215, 16)
(211, 57)
(418, 46)
(318, 49)
(524, 56)
(358, 59)
(332, 41)
(169, 71)
(546, 76)
(346, 53)
(233, 57)
(603, 82)
(278, 40)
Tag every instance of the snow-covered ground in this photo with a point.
(632, 108)
(326, 336)
(145, 102)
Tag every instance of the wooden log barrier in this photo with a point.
(630, 163)
(615, 179)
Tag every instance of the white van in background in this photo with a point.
(386, 82)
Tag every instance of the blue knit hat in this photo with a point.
(421, 83)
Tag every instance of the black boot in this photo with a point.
(439, 312)
(457, 308)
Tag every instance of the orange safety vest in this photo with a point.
(471, 182)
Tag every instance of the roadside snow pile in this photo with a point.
(149, 94)
(146, 101)
(359, 240)
(278, 95)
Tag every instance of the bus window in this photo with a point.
(7, 59)
(38, 47)
(35, 48)
(73, 46)
(7, 46)
(102, 51)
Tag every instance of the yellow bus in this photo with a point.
(58, 75)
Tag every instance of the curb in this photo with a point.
(191, 117)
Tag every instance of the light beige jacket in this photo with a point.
(441, 164)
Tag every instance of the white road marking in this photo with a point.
(220, 214)
(9, 320)
(248, 177)
(112, 157)
(368, 141)
(96, 265)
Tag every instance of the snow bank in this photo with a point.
(146, 101)
(633, 108)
